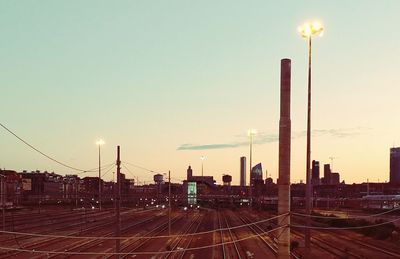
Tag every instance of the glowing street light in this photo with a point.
(307, 31)
(99, 143)
(202, 160)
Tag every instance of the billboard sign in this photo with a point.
(192, 193)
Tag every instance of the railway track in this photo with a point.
(230, 251)
(33, 242)
(183, 242)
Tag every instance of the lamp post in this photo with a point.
(169, 203)
(202, 160)
(251, 133)
(307, 31)
(99, 143)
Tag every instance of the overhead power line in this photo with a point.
(349, 217)
(347, 228)
(146, 237)
(145, 252)
(148, 170)
(44, 154)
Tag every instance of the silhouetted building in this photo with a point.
(269, 181)
(327, 174)
(189, 173)
(395, 165)
(243, 171)
(315, 173)
(335, 178)
(12, 187)
(41, 185)
(256, 174)
(91, 186)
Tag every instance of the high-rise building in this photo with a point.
(327, 174)
(315, 173)
(395, 165)
(256, 173)
(243, 171)
(189, 173)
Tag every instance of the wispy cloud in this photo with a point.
(207, 146)
(263, 138)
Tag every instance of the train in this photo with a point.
(380, 202)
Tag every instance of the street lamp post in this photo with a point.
(99, 143)
(202, 160)
(307, 31)
(169, 203)
(251, 133)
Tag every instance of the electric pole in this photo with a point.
(118, 204)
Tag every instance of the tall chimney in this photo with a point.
(284, 162)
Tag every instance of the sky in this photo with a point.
(171, 81)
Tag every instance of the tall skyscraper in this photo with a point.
(256, 173)
(395, 165)
(327, 174)
(243, 171)
(315, 172)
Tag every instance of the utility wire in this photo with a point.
(96, 169)
(149, 170)
(141, 167)
(142, 253)
(129, 171)
(108, 170)
(42, 153)
(347, 228)
(146, 237)
(352, 217)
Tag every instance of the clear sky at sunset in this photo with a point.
(171, 81)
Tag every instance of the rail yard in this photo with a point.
(194, 233)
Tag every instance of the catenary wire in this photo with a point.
(42, 153)
(148, 170)
(346, 228)
(106, 166)
(108, 170)
(143, 253)
(145, 237)
(349, 217)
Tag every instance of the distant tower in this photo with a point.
(189, 173)
(256, 173)
(243, 171)
(395, 165)
(315, 172)
(227, 179)
(327, 174)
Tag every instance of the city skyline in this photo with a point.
(173, 82)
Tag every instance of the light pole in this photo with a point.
(202, 160)
(99, 143)
(169, 203)
(307, 31)
(251, 133)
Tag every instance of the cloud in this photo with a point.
(264, 138)
(205, 147)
